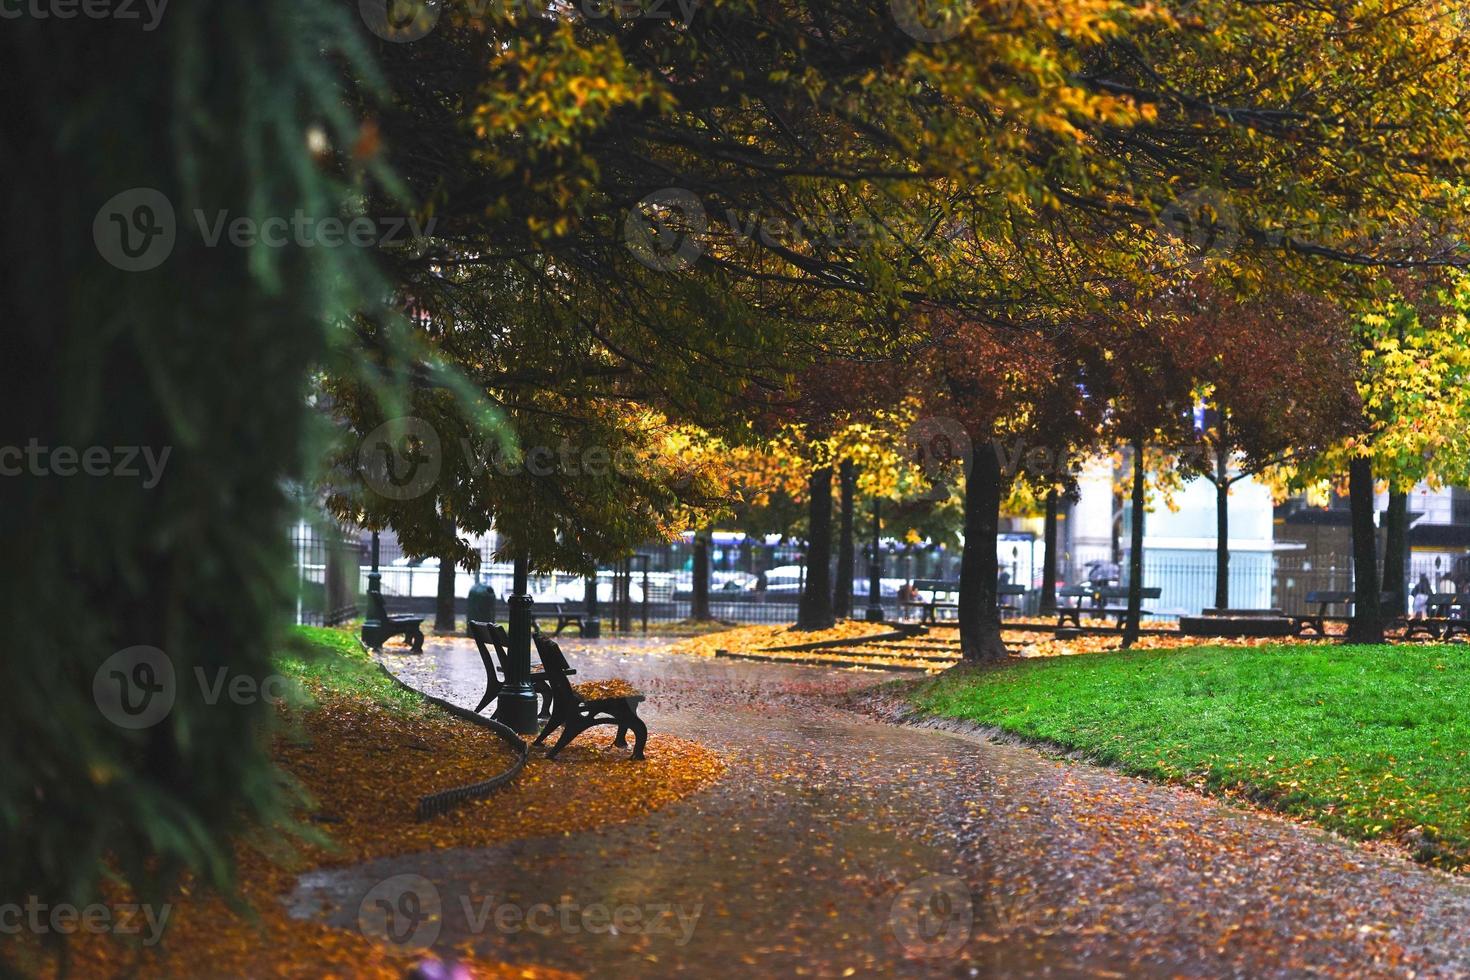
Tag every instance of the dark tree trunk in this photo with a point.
(699, 604)
(1135, 553)
(1222, 528)
(444, 597)
(1396, 548)
(1049, 559)
(978, 613)
(842, 590)
(1367, 624)
(815, 611)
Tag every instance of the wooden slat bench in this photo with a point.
(576, 708)
(1447, 613)
(1073, 611)
(1113, 595)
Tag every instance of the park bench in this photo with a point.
(578, 707)
(488, 635)
(1323, 600)
(1078, 594)
(1010, 598)
(1115, 601)
(411, 628)
(565, 619)
(928, 608)
(1446, 614)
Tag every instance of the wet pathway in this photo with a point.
(839, 846)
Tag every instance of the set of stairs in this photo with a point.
(902, 650)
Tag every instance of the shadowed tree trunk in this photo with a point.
(842, 589)
(978, 613)
(444, 597)
(1222, 527)
(1366, 625)
(815, 611)
(1396, 548)
(699, 604)
(1135, 554)
(1049, 559)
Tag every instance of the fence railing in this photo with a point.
(758, 583)
(327, 580)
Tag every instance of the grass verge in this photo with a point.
(1370, 741)
(361, 749)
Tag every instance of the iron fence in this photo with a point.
(326, 561)
(757, 582)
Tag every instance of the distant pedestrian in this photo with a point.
(1421, 595)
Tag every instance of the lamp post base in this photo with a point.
(515, 707)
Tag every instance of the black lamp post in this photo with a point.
(516, 703)
(377, 613)
(875, 569)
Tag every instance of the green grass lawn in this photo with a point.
(325, 659)
(1373, 742)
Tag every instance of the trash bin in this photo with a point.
(480, 606)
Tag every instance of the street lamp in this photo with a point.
(377, 613)
(875, 568)
(516, 703)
